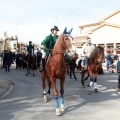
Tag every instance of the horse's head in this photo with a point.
(100, 53)
(64, 42)
(68, 40)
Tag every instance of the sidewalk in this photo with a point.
(6, 87)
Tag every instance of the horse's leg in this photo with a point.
(43, 74)
(74, 74)
(53, 82)
(91, 78)
(95, 82)
(70, 74)
(86, 77)
(49, 86)
(62, 93)
(27, 70)
(82, 77)
(33, 67)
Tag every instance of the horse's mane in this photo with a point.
(97, 50)
(58, 41)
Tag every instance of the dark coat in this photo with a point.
(7, 56)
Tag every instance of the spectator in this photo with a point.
(108, 60)
(117, 64)
(8, 59)
(115, 57)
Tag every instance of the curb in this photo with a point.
(6, 87)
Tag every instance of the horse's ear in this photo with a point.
(65, 30)
(70, 31)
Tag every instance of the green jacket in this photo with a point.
(29, 49)
(49, 43)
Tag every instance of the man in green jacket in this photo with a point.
(30, 48)
(48, 43)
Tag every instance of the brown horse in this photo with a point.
(31, 60)
(93, 66)
(72, 65)
(56, 69)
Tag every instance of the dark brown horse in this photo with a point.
(31, 61)
(72, 65)
(56, 69)
(93, 66)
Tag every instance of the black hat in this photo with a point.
(54, 28)
(30, 41)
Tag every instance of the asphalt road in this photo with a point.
(25, 102)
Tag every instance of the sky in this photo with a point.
(31, 20)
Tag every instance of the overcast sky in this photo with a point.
(32, 19)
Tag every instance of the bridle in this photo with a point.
(99, 58)
(66, 46)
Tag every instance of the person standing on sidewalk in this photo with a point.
(8, 59)
(117, 65)
(108, 60)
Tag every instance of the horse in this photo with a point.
(31, 60)
(24, 61)
(93, 67)
(72, 65)
(56, 69)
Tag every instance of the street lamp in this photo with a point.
(56, 20)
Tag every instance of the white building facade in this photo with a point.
(105, 32)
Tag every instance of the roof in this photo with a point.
(101, 21)
(112, 14)
(92, 24)
(103, 24)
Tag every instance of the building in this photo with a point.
(105, 32)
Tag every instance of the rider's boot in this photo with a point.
(42, 66)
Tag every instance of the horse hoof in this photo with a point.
(58, 112)
(96, 90)
(83, 85)
(62, 108)
(48, 96)
(26, 74)
(88, 85)
(33, 74)
(45, 99)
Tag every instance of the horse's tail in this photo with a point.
(79, 64)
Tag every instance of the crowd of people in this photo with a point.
(19, 58)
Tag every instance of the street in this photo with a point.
(25, 102)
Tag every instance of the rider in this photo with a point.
(48, 43)
(87, 49)
(30, 48)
